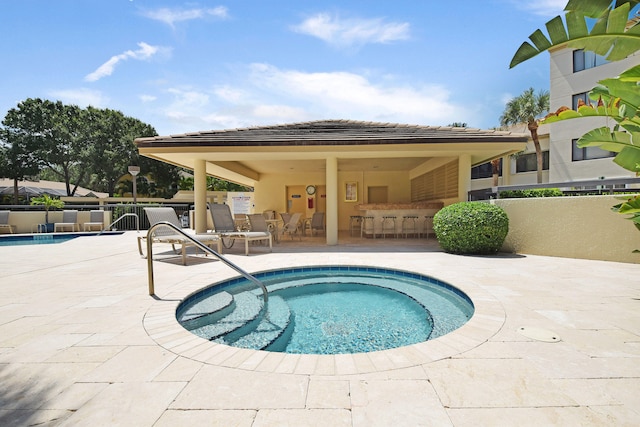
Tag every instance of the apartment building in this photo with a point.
(573, 73)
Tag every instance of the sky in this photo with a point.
(189, 66)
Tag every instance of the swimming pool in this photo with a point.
(326, 310)
(45, 238)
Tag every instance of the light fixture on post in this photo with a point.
(134, 171)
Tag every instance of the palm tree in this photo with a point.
(528, 108)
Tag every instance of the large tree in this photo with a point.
(17, 160)
(56, 136)
(528, 108)
(81, 147)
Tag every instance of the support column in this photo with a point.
(332, 201)
(200, 195)
(464, 177)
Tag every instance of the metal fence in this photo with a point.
(570, 188)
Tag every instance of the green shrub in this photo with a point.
(535, 192)
(471, 228)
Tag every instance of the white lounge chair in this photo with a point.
(96, 220)
(168, 235)
(4, 222)
(224, 226)
(69, 220)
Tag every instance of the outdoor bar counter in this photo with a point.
(376, 212)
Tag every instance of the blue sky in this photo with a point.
(185, 66)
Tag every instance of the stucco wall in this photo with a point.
(270, 191)
(574, 227)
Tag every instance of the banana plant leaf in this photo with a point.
(609, 36)
(619, 142)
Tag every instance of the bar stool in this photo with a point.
(410, 225)
(389, 224)
(367, 220)
(428, 225)
(355, 223)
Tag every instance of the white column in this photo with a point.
(464, 177)
(332, 201)
(200, 195)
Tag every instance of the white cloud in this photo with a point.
(82, 97)
(266, 95)
(352, 32)
(349, 95)
(145, 52)
(171, 16)
(548, 8)
(147, 98)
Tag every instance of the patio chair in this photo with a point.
(317, 222)
(285, 217)
(69, 220)
(96, 220)
(224, 226)
(168, 235)
(293, 226)
(4, 222)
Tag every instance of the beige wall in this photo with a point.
(573, 227)
(26, 222)
(270, 191)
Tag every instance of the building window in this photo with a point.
(583, 60)
(529, 163)
(575, 99)
(588, 153)
(485, 171)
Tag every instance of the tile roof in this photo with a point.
(332, 132)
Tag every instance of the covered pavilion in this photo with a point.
(332, 166)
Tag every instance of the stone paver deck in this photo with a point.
(82, 343)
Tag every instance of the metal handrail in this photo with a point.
(200, 245)
(120, 218)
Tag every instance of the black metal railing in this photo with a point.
(569, 188)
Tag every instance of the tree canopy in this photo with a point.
(82, 147)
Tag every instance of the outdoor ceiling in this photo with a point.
(344, 165)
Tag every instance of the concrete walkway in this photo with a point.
(554, 341)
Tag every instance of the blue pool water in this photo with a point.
(44, 238)
(326, 310)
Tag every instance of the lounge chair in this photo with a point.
(4, 223)
(224, 226)
(258, 222)
(293, 226)
(96, 220)
(69, 220)
(168, 235)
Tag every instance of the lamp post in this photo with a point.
(134, 171)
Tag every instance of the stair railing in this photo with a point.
(120, 219)
(201, 246)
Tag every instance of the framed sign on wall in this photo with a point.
(351, 192)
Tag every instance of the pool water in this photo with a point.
(46, 238)
(328, 322)
(326, 310)
(36, 239)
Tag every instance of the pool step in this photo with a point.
(273, 323)
(213, 304)
(247, 308)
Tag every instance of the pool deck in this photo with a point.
(554, 341)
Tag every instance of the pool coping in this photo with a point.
(163, 328)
